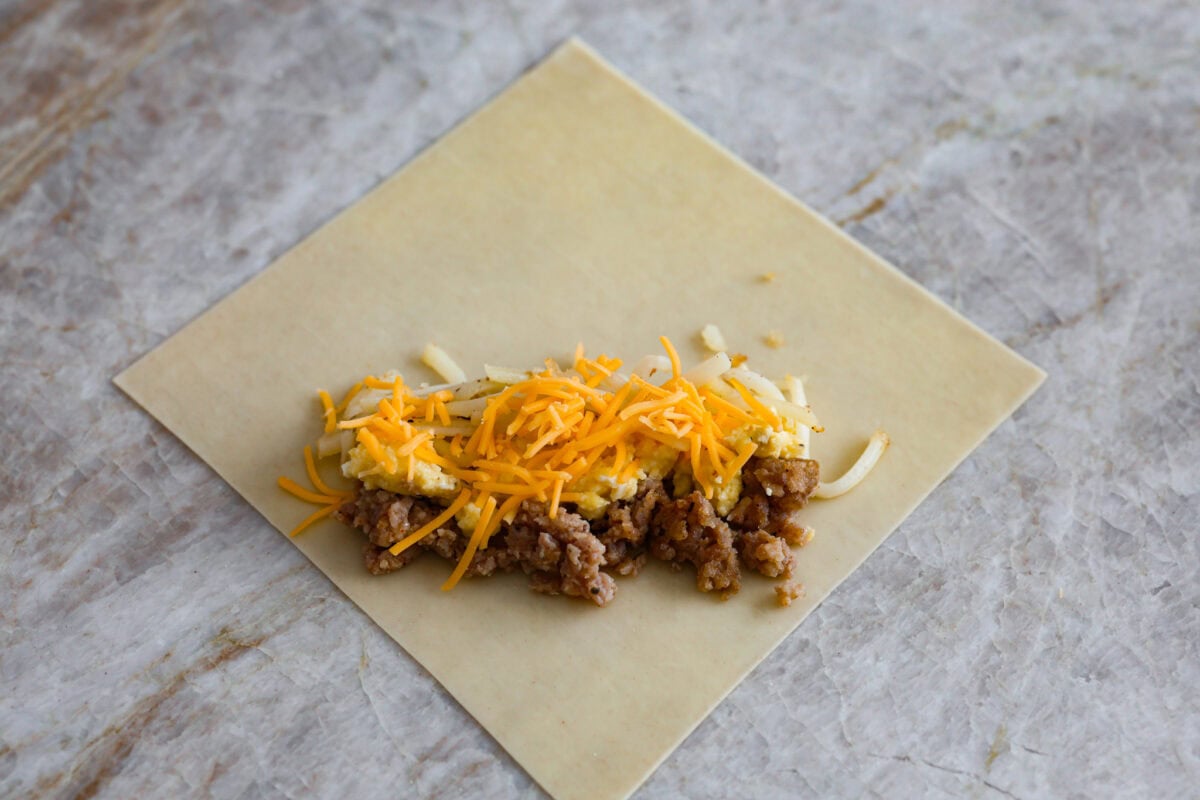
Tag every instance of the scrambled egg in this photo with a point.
(597, 487)
(771, 443)
(725, 495)
(429, 480)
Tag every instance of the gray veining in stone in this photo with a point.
(1031, 631)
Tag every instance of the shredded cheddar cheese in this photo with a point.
(324, 496)
(585, 435)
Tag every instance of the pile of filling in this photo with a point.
(576, 475)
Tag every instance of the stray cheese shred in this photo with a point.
(551, 436)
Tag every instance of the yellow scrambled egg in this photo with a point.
(597, 488)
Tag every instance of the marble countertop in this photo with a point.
(1033, 630)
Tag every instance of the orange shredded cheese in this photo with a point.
(486, 517)
(676, 370)
(311, 467)
(293, 488)
(556, 498)
(756, 404)
(350, 395)
(330, 413)
(330, 500)
(320, 513)
(429, 527)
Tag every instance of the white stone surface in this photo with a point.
(1032, 631)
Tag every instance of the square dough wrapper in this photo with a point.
(575, 207)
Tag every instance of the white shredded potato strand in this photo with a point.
(726, 391)
(652, 365)
(467, 408)
(854, 476)
(755, 383)
(477, 388)
(795, 391)
(329, 444)
(365, 402)
(446, 430)
(801, 414)
(708, 370)
(461, 391)
(337, 443)
(505, 375)
(614, 382)
(440, 362)
(713, 338)
(768, 393)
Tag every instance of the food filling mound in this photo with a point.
(577, 475)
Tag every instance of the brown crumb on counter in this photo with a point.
(788, 591)
(773, 339)
(767, 277)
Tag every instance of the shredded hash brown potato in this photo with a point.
(713, 338)
(440, 362)
(866, 462)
